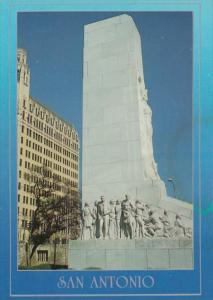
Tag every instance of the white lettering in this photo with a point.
(61, 283)
(148, 282)
(94, 283)
(119, 281)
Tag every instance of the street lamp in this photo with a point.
(173, 185)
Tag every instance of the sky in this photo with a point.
(54, 45)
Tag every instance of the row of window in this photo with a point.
(49, 143)
(48, 152)
(34, 178)
(51, 120)
(26, 187)
(50, 131)
(74, 166)
(46, 163)
(29, 189)
(27, 212)
(24, 225)
(37, 158)
(26, 200)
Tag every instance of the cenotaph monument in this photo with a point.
(128, 221)
(117, 119)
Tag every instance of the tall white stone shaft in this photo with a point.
(117, 128)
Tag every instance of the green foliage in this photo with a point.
(43, 267)
(38, 267)
(52, 213)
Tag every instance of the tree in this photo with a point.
(53, 212)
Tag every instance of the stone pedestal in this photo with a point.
(141, 254)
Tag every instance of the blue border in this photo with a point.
(29, 284)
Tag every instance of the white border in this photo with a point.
(199, 157)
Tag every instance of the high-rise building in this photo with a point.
(44, 140)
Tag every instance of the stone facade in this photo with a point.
(43, 140)
(144, 254)
(51, 254)
(119, 164)
(117, 120)
(117, 131)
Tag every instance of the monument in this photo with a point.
(128, 221)
(117, 128)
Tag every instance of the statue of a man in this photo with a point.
(126, 218)
(87, 222)
(152, 224)
(140, 227)
(112, 222)
(166, 224)
(102, 218)
(179, 228)
(118, 218)
(94, 222)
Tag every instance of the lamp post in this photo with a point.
(173, 185)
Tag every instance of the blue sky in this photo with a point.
(54, 44)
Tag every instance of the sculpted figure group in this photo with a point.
(123, 219)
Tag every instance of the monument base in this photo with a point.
(141, 254)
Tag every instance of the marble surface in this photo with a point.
(142, 254)
(117, 128)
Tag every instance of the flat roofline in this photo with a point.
(55, 114)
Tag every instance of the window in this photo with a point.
(64, 241)
(42, 255)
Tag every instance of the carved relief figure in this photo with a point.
(87, 222)
(118, 218)
(112, 220)
(123, 219)
(126, 218)
(167, 228)
(94, 221)
(179, 228)
(102, 213)
(140, 227)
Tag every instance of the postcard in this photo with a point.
(106, 150)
